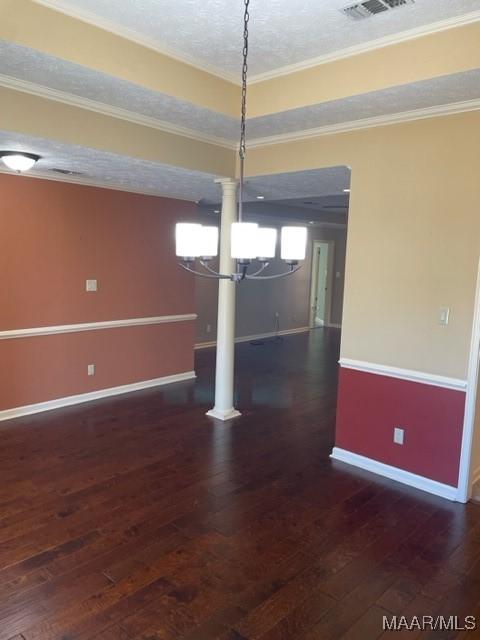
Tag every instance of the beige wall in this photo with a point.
(413, 243)
(257, 302)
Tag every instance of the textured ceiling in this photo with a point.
(417, 95)
(113, 170)
(130, 174)
(313, 210)
(47, 71)
(282, 32)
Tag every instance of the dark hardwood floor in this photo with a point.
(139, 518)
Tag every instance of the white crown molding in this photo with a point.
(134, 36)
(26, 410)
(90, 182)
(394, 473)
(152, 44)
(282, 138)
(372, 45)
(404, 374)
(368, 123)
(108, 110)
(94, 326)
(258, 336)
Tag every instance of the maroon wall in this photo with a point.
(53, 237)
(370, 406)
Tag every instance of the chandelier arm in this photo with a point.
(277, 275)
(217, 276)
(205, 266)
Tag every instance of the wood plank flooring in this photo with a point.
(138, 518)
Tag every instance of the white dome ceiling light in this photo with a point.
(18, 160)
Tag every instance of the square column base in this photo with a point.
(222, 414)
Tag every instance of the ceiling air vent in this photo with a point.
(369, 8)
(66, 172)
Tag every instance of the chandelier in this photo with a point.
(249, 241)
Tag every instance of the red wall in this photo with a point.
(54, 236)
(370, 406)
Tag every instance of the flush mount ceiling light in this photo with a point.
(248, 240)
(18, 160)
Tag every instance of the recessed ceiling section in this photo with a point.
(90, 166)
(282, 32)
(287, 186)
(32, 71)
(455, 88)
(284, 194)
(329, 181)
(74, 81)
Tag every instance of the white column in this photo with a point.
(224, 409)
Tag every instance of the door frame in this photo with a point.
(329, 282)
(466, 473)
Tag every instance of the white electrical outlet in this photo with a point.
(209, 328)
(91, 369)
(443, 315)
(398, 435)
(90, 285)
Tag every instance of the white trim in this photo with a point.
(49, 405)
(138, 38)
(258, 336)
(192, 134)
(192, 61)
(368, 123)
(221, 414)
(394, 473)
(465, 482)
(88, 182)
(404, 374)
(372, 45)
(93, 326)
(111, 111)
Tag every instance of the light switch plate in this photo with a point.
(90, 285)
(398, 435)
(443, 316)
(91, 369)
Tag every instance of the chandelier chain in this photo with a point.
(242, 146)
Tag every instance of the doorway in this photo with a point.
(322, 283)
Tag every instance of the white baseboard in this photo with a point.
(49, 405)
(405, 477)
(258, 336)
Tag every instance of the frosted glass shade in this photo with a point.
(244, 240)
(266, 242)
(187, 239)
(19, 162)
(208, 242)
(294, 243)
